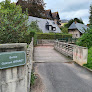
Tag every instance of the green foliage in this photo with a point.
(32, 78)
(90, 18)
(73, 20)
(52, 35)
(13, 24)
(35, 40)
(89, 62)
(35, 27)
(86, 39)
(64, 30)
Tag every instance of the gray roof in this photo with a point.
(64, 21)
(42, 24)
(79, 26)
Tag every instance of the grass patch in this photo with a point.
(32, 78)
(89, 63)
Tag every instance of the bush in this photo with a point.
(14, 27)
(13, 23)
(86, 39)
(64, 30)
(52, 35)
(89, 63)
(27, 37)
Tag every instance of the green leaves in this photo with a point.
(86, 39)
(64, 30)
(90, 18)
(13, 23)
(89, 63)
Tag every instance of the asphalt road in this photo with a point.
(48, 54)
(64, 77)
(58, 76)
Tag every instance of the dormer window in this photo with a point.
(54, 28)
(50, 27)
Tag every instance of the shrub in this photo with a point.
(89, 63)
(13, 23)
(52, 35)
(64, 30)
(86, 39)
(14, 27)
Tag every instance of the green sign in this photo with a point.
(12, 59)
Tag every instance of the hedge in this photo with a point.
(53, 36)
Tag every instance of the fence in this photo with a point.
(69, 40)
(45, 42)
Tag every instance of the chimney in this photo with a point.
(75, 22)
(87, 24)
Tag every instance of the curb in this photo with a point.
(83, 67)
(87, 68)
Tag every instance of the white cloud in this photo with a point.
(69, 9)
(84, 14)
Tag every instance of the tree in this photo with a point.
(90, 18)
(73, 20)
(35, 27)
(64, 30)
(35, 7)
(13, 23)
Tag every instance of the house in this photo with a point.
(56, 18)
(63, 22)
(77, 29)
(45, 25)
(48, 14)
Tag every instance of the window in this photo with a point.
(54, 28)
(50, 27)
(76, 35)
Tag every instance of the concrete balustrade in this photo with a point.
(80, 55)
(77, 53)
(64, 48)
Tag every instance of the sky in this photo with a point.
(69, 9)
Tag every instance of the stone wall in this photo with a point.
(16, 79)
(29, 63)
(75, 33)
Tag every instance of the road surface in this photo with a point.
(60, 76)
